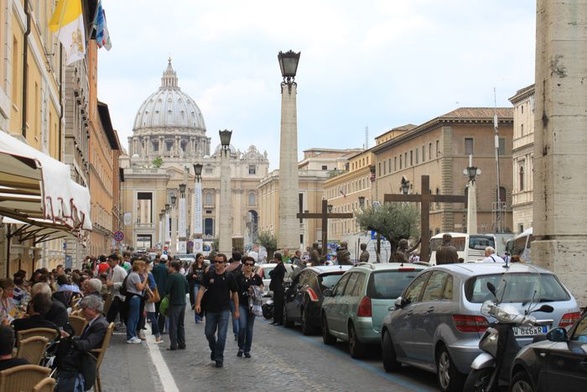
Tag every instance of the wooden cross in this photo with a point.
(324, 215)
(425, 199)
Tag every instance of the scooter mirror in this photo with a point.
(491, 288)
(545, 308)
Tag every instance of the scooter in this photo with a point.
(491, 368)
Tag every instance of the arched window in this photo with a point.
(521, 177)
(252, 199)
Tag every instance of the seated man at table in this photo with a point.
(76, 366)
(35, 316)
(58, 312)
(6, 346)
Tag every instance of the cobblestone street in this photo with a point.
(282, 360)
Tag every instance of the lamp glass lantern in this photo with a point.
(167, 207)
(182, 188)
(471, 172)
(173, 199)
(288, 62)
(361, 201)
(330, 208)
(225, 138)
(198, 169)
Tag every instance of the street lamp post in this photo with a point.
(225, 236)
(197, 209)
(181, 221)
(287, 234)
(173, 223)
(161, 229)
(405, 187)
(167, 225)
(471, 172)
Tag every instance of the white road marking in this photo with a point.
(165, 376)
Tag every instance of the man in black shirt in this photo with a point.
(6, 346)
(220, 287)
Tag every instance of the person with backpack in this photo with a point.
(246, 281)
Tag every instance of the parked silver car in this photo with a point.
(436, 324)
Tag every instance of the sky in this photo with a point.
(365, 66)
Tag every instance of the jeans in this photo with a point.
(217, 321)
(246, 322)
(154, 325)
(134, 304)
(235, 322)
(176, 326)
(197, 316)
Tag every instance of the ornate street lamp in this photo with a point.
(198, 171)
(225, 233)
(181, 220)
(471, 172)
(288, 229)
(405, 187)
(361, 202)
(197, 208)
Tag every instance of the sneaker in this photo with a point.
(134, 340)
(219, 364)
(158, 341)
(239, 354)
(247, 355)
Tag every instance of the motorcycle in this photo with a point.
(491, 368)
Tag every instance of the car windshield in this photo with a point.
(389, 284)
(327, 281)
(516, 287)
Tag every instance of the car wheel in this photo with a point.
(286, 321)
(521, 383)
(449, 378)
(326, 336)
(306, 328)
(390, 363)
(356, 348)
(478, 380)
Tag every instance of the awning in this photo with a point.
(40, 231)
(37, 190)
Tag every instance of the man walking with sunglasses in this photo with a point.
(220, 287)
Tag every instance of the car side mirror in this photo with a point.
(399, 303)
(557, 335)
(327, 293)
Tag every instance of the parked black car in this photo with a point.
(303, 298)
(556, 364)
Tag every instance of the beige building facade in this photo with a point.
(169, 138)
(317, 166)
(523, 159)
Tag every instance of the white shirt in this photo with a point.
(493, 259)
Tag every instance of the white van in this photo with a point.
(470, 247)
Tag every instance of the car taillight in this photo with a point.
(569, 319)
(312, 295)
(466, 323)
(365, 307)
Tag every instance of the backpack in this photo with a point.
(123, 287)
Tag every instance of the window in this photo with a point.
(324, 167)
(430, 151)
(252, 169)
(468, 146)
(439, 287)
(411, 158)
(437, 148)
(209, 199)
(252, 199)
(412, 293)
(423, 153)
(502, 194)
(501, 148)
(521, 129)
(521, 177)
(400, 162)
(209, 226)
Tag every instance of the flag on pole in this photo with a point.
(102, 34)
(68, 22)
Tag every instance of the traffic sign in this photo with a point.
(118, 236)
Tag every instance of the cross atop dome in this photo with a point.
(169, 78)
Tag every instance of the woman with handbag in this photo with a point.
(245, 281)
(195, 276)
(152, 298)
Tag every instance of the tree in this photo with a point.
(269, 241)
(394, 221)
(157, 162)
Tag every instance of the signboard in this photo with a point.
(118, 236)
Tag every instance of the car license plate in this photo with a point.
(530, 331)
